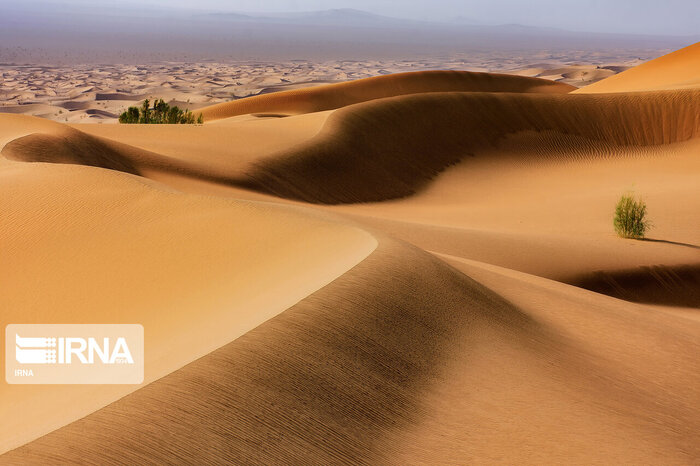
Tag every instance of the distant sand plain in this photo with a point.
(99, 93)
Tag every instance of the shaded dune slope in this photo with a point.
(404, 357)
(675, 286)
(625, 280)
(676, 70)
(70, 146)
(564, 258)
(338, 95)
(353, 373)
(196, 271)
(66, 145)
(390, 148)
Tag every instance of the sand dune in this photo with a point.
(677, 70)
(390, 148)
(65, 145)
(317, 99)
(130, 232)
(342, 165)
(675, 286)
(423, 278)
(98, 93)
(420, 364)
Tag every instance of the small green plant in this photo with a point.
(160, 113)
(630, 217)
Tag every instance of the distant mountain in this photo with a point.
(341, 16)
(466, 20)
(461, 26)
(168, 34)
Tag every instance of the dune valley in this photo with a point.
(415, 266)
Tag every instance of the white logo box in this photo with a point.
(74, 354)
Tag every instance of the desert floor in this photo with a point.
(407, 269)
(99, 93)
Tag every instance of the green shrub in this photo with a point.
(630, 217)
(160, 113)
(130, 116)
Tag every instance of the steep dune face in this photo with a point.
(334, 96)
(89, 245)
(279, 332)
(675, 286)
(390, 148)
(218, 144)
(677, 70)
(516, 205)
(16, 126)
(61, 144)
(70, 147)
(404, 359)
(609, 361)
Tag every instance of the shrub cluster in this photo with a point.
(630, 217)
(160, 113)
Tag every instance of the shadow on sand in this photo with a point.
(676, 243)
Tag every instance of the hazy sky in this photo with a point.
(675, 17)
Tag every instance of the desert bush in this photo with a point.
(130, 116)
(630, 217)
(160, 113)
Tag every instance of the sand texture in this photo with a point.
(407, 269)
(90, 93)
(330, 97)
(677, 70)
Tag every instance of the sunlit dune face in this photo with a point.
(405, 268)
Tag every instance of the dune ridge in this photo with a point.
(399, 359)
(57, 143)
(70, 147)
(89, 93)
(332, 96)
(676, 70)
(105, 246)
(390, 148)
(676, 286)
(282, 333)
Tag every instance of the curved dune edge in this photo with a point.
(69, 146)
(666, 285)
(197, 272)
(332, 96)
(526, 252)
(202, 153)
(218, 145)
(390, 148)
(588, 260)
(402, 358)
(420, 364)
(62, 144)
(676, 70)
(16, 126)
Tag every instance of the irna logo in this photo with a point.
(45, 350)
(74, 353)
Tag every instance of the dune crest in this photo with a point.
(67, 146)
(390, 148)
(411, 321)
(410, 374)
(676, 70)
(338, 95)
(393, 147)
(196, 271)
